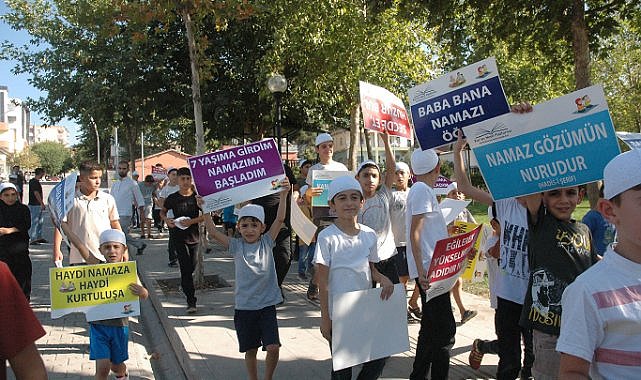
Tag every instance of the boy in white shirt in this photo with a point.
(345, 256)
(256, 292)
(600, 328)
(426, 225)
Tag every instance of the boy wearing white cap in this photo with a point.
(108, 338)
(325, 151)
(345, 255)
(257, 292)
(425, 226)
(375, 212)
(601, 329)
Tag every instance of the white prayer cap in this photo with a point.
(134, 173)
(113, 236)
(303, 190)
(367, 163)
(623, 172)
(401, 166)
(7, 185)
(341, 184)
(255, 211)
(451, 186)
(323, 138)
(424, 161)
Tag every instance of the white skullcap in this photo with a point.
(424, 161)
(401, 166)
(134, 173)
(255, 211)
(113, 236)
(451, 186)
(623, 172)
(323, 137)
(367, 163)
(7, 185)
(303, 189)
(341, 184)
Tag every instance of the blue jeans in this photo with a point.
(37, 217)
(305, 256)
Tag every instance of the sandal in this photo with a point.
(467, 315)
(416, 312)
(476, 356)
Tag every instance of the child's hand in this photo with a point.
(460, 143)
(314, 191)
(285, 186)
(199, 201)
(523, 107)
(138, 290)
(388, 288)
(495, 251)
(471, 254)
(424, 281)
(326, 328)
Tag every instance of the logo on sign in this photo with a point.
(423, 94)
(498, 131)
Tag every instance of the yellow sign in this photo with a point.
(100, 291)
(464, 227)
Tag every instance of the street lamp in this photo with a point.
(277, 84)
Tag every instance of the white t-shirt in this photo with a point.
(376, 215)
(167, 191)
(347, 257)
(332, 165)
(601, 320)
(514, 270)
(397, 210)
(127, 193)
(421, 200)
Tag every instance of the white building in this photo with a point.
(14, 126)
(39, 133)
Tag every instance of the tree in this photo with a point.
(54, 156)
(27, 159)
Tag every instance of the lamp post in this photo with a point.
(277, 84)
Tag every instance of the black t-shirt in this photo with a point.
(184, 206)
(34, 185)
(16, 215)
(558, 252)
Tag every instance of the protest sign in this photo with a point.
(450, 208)
(361, 322)
(303, 227)
(551, 147)
(61, 197)
(440, 187)
(235, 175)
(158, 172)
(448, 262)
(441, 107)
(633, 140)
(464, 227)
(383, 110)
(100, 291)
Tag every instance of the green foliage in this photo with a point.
(27, 159)
(55, 158)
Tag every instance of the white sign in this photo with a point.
(450, 208)
(365, 328)
(303, 227)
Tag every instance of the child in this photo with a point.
(108, 339)
(601, 329)
(464, 216)
(398, 210)
(257, 292)
(185, 241)
(347, 247)
(491, 250)
(603, 232)
(560, 249)
(375, 212)
(425, 225)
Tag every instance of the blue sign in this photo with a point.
(440, 108)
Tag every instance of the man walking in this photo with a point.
(127, 193)
(37, 207)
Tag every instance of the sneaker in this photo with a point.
(42, 241)
(467, 315)
(141, 250)
(416, 312)
(191, 309)
(410, 318)
(173, 264)
(476, 356)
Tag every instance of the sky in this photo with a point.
(18, 85)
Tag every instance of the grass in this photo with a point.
(479, 211)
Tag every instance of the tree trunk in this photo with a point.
(368, 144)
(581, 50)
(354, 124)
(199, 277)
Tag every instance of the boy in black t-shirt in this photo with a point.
(185, 232)
(560, 249)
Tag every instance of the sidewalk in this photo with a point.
(206, 341)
